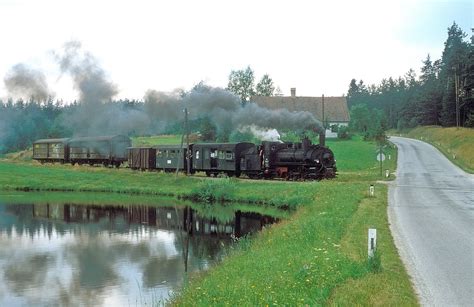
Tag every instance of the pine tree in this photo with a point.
(454, 55)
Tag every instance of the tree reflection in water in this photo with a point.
(67, 254)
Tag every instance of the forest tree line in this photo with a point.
(430, 99)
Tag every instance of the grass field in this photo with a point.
(317, 256)
(457, 144)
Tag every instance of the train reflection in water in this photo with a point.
(110, 253)
(164, 218)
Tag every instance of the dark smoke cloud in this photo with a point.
(89, 78)
(93, 115)
(28, 83)
(226, 111)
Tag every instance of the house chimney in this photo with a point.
(293, 92)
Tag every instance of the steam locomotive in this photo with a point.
(291, 161)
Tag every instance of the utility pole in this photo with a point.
(188, 166)
(456, 93)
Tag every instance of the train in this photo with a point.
(266, 160)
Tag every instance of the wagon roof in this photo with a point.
(177, 146)
(43, 141)
(99, 138)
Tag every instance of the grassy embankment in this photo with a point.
(317, 256)
(457, 144)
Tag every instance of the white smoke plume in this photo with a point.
(261, 133)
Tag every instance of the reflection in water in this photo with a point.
(66, 254)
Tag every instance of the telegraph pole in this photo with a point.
(188, 167)
(456, 93)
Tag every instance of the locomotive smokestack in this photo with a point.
(322, 138)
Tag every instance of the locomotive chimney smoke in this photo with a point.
(224, 109)
(25, 82)
(89, 78)
(93, 116)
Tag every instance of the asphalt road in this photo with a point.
(431, 214)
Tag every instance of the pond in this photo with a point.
(59, 249)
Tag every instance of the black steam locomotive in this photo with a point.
(291, 161)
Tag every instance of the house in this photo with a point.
(330, 110)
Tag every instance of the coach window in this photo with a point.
(221, 155)
(197, 154)
(229, 155)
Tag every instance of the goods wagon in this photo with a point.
(51, 150)
(106, 150)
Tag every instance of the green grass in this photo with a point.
(156, 140)
(457, 144)
(315, 257)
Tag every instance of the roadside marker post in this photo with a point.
(371, 190)
(372, 242)
(387, 173)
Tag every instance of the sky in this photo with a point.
(315, 46)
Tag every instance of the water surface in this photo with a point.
(66, 253)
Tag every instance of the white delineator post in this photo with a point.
(372, 242)
(371, 190)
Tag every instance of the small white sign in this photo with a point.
(168, 215)
(372, 243)
(168, 161)
(380, 157)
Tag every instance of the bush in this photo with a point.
(343, 133)
(214, 190)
